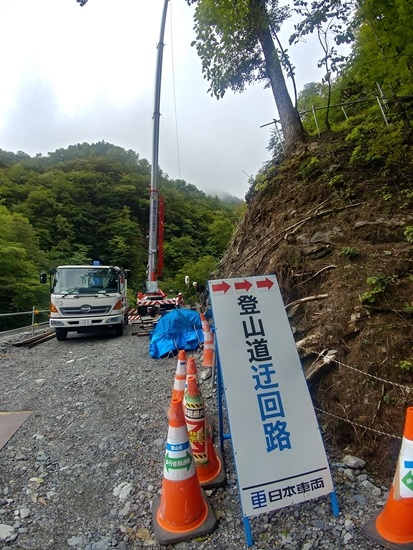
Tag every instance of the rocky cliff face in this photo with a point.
(337, 238)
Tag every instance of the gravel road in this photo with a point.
(83, 470)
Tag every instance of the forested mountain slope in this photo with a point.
(91, 201)
(337, 231)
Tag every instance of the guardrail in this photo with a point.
(34, 320)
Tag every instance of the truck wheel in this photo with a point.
(119, 329)
(61, 334)
(142, 311)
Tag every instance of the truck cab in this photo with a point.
(88, 298)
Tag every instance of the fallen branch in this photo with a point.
(316, 274)
(307, 299)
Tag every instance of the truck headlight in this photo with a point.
(111, 320)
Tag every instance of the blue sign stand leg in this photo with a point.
(220, 397)
(247, 530)
(334, 503)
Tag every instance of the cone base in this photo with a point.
(369, 529)
(208, 360)
(171, 537)
(221, 477)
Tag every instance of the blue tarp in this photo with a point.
(177, 329)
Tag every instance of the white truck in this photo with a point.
(87, 298)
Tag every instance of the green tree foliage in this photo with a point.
(313, 94)
(383, 51)
(91, 202)
(199, 271)
(329, 19)
(313, 101)
(235, 41)
(21, 259)
(220, 233)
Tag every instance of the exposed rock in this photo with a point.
(354, 462)
(5, 531)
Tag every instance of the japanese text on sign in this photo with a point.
(264, 376)
(261, 498)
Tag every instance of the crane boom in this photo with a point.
(155, 299)
(152, 283)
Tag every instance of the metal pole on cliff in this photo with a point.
(152, 284)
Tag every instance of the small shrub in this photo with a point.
(385, 193)
(337, 182)
(387, 398)
(408, 193)
(376, 145)
(408, 233)
(349, 252)
(362, 157)
(406, 365)
(379, 284)
(408, 308)
(310, 168)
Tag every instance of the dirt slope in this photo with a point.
(335, 237)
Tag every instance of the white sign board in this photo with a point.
(278, 449)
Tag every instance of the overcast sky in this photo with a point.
(74, 74)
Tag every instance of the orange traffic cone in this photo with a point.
(393, 527)
(208, 356)
(191, 370)
(195, 420)
(182, 511)
(212, 473)
(204, 321)
(180, 376)
(209, 465)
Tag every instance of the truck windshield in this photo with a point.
(81, 280)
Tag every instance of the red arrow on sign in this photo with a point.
(221, 287)
(245, 285)
(266, 283)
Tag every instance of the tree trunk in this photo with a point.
(292, 128)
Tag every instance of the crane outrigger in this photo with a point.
(154, 297)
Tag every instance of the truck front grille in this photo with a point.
(94, 310)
